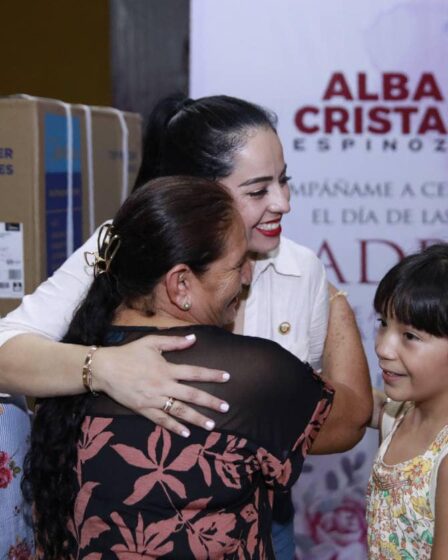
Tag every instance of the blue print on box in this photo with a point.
(56, 183)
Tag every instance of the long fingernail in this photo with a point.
(224, 407)
(209, 424)
(185, 433)
(226, 376)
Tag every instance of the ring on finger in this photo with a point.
(168, 404)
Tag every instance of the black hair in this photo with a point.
(415, 291)
(169, 221)
(198, 137)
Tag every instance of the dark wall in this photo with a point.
(125, 53)
(149, 51)
(58, 49)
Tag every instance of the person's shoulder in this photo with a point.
(267, 355)
(240, 342)
(224, 336)
(251, 352)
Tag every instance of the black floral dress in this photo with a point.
(147, 493)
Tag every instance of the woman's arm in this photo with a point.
(440, 544)
(49, 309)
(345, 367)
(135, 375)
(33, 363)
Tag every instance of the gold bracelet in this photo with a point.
(339, 293)
(87, 374)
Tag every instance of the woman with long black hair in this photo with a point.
(233, 141)
(107, 483)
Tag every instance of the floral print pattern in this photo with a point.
(146, 493)
(16, 536)
(7, 469)
(401, 523)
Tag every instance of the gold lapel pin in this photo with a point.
(284, 327)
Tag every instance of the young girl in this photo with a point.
(407, 501)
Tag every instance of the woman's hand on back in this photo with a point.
(138, 377)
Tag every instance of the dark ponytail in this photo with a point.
(198, 137)
(169, 221)
(50, 476)
(164, 112)
(95, 315)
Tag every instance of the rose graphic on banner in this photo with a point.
(333, 522)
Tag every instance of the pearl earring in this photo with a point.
(186, 306)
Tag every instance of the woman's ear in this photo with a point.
(179, 282)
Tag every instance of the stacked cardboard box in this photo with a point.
(64, 169)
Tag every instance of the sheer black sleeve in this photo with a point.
(276, 401)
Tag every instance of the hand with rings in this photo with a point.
(119, 372)
(168, 405)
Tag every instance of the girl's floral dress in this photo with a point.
(16, 537)
(399, 510)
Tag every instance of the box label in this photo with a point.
(12, 271)
(56, 183)
(6, 161)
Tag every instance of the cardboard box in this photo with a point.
(64, 169)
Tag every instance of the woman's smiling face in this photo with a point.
(216, 292)
(260, 187)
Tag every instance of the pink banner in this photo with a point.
(360, 89)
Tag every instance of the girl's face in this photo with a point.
(414, 362)
(260, 187)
